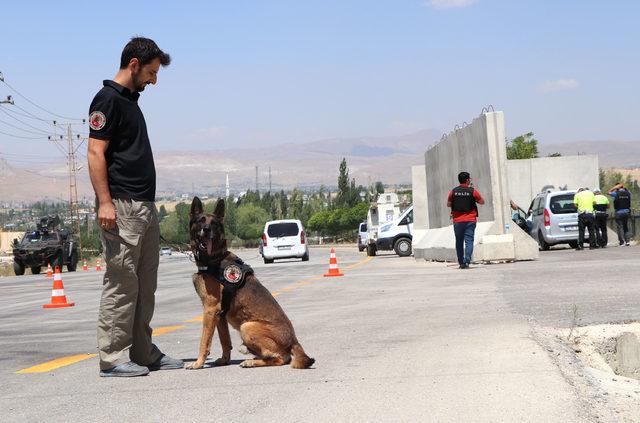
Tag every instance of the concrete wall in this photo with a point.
(527, 177)
(479, 149)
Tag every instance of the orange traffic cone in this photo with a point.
(49, 271)
(84, 265)
(58, 299)
(333, 265)
(98, 267)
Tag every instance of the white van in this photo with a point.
(283, 239)
(362, 236)
(395, 235)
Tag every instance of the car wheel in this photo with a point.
(18, 268)
(542, 243)
(35, 270)
(305, 257)
(361, 248)
(402, 247)
(73, 262)
(268, 261)
(371, 250)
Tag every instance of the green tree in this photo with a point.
(522, 147)
(555, 155)
(251, 220)
(162, 213)
(343, 183)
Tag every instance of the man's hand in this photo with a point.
(107, 216)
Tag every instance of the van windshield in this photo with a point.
(562, 204)
(277, 230)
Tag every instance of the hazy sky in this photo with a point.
(249, 73)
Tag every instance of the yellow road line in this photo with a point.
(66, 361)
(360, 263)
(166, 329)
(57, 363)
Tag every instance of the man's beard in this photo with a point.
(138, 83)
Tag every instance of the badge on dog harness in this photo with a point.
(232, 273)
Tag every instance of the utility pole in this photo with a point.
(227, 187)
(73, 189)
(269, 179)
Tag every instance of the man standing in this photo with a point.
(584, 200)
(601, 205)
(124, 180)
(463, 201)
(622, 205)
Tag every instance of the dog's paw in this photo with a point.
(247, 364)
(195, 365)
(244, 350)
(222, 361)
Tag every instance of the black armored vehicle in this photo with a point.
(46, 245)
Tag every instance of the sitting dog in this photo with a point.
(231, 293)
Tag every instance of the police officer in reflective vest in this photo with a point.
(622, 205)
(584, 200)
(601, 204)
(463, 201)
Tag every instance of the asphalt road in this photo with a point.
(394, 340)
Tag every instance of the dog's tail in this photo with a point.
(300, 359)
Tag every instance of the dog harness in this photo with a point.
(232, 274)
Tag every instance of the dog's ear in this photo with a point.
(196, 207)
(219, 211)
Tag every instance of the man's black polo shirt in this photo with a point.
(114, 116)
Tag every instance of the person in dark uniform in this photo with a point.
(622, 205)
(601, 204)
(124, 180)
(463, 201)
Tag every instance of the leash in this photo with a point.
(178, 247)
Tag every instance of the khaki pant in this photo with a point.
(128, 297)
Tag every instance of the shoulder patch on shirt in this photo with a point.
(97, 120)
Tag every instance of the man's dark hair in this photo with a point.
(463, 176)
(145, 50)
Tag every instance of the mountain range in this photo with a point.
(370, 159)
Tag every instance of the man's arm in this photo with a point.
(615, 187)
(449, 199)
(98, 173)
(478, 197)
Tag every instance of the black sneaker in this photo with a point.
(129, 369)
(166, 363)
(464, 266)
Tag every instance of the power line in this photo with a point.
(28, 114)
(6, 112)
(21, 137)
(33, 103)
(22, 129)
